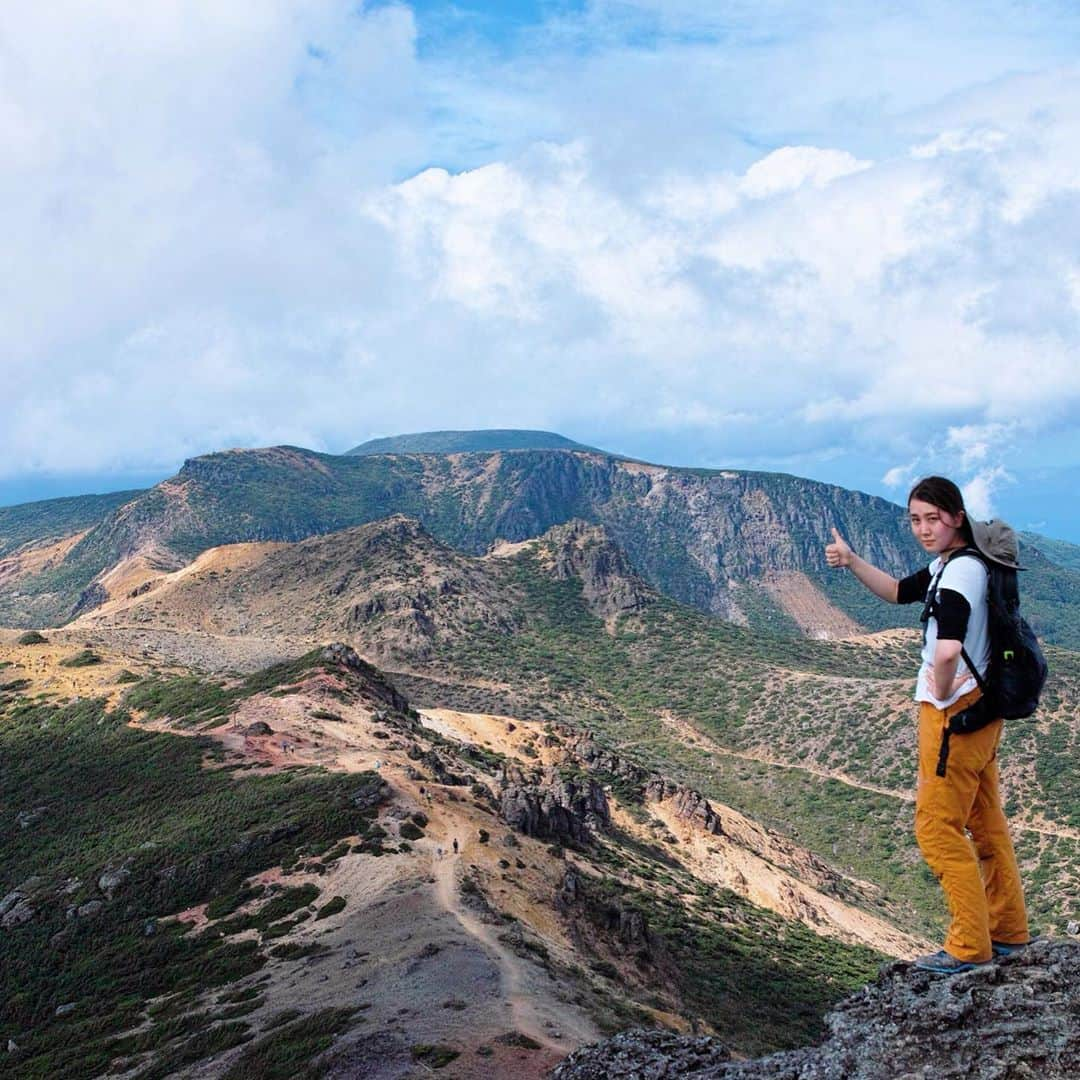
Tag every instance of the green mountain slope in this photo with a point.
(813, 737)
(458, 442)
(54, 518)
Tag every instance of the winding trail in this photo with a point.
(527, 1019)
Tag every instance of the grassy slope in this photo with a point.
(56, 517)
(112, 796)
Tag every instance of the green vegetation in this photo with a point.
(765, 983)
(32, 637)
(458, 442)
(140, 808)
(287, 1053)
(83, 658)
(820, 707)
(331, 907)
(434, 1055)
(56, 517)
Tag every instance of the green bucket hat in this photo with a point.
(997, 541)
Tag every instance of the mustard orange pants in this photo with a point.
(963, 835)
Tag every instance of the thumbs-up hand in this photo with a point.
(838, 553)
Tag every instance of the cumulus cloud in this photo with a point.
(790, 167)
(278, 222)
(979, 491)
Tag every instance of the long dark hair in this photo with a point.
(945, 495)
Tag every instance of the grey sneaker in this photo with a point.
(943, 963)
(1006, 948)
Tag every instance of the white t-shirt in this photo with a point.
(966, 575)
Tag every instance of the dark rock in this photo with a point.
(368, 797)
(441, 772)
(260, 727)
(609, 584)
(15, 910)
(113, 880)
(89, 909)
(89, 598)
(570, 891)
(545, 804)
(1013, 1018)
(645, 1055)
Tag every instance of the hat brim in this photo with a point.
(980, 534)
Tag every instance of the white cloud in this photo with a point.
(790, 167)
(982, 140)
(979, 491)
(251, 224)
(900, 476)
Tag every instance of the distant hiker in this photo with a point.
(957, 792)
(455, 845)
(438, 853)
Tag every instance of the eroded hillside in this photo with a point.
(305, 861)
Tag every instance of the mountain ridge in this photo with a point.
(744, 546)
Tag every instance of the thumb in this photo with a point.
(837, 537)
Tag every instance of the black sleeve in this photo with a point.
(913, 589)
(952, 613)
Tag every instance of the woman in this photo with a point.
(959, 822)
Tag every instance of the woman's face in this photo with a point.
(936, 529)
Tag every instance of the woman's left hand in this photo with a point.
(957, 684)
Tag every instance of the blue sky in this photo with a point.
(836, 239)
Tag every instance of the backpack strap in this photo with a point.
(931, 604)
(928, 610)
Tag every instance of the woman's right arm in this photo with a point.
(838, 553)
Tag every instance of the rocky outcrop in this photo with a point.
(600, 923)
(609, 583)
(548, 804)
(1013, 1018)
(688, 803)
(376, 688)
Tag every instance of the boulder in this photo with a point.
(112, 880)
(15, 910)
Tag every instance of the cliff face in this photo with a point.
(748, 547)
(1014, 1018)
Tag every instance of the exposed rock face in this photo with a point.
(689, 533)
(688, 803)
(545, 804)
(609, 583)
(376, 685)
(1014, 1018)
(15, 909)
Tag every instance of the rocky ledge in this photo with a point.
(1017, 1017)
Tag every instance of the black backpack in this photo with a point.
(1017, 671)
